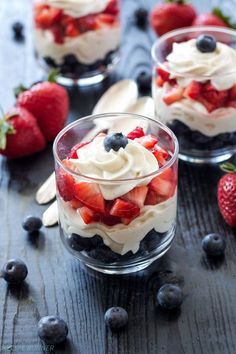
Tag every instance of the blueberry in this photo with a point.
(141, 17)
(52, 329)
(18, 28)
(116, 317)
(214, 244)
(206, 44)
(50, 62)
(170, 296)
(115, 142)
(80, 243)
(70, 59)
(104, 254)
(32, 223)
(144, 81)
(14, 271)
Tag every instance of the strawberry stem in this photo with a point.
(19, 89)
(219, 13)
(52, 76)
(228, 167)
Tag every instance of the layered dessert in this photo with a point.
(78, 37)
(129, 209)
(195, 93)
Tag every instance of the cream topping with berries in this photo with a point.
(219, 65)
(79, 8)
(87, 47)
(127, 163)
(122, 238)
(194, 114)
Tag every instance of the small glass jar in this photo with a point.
(80, 38)
(194, 92)
(106, 240)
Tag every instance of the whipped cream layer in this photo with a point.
(129, 163)
(194, 114)
(218, 66)
(79, 8)
(88, 47)
(121, 238)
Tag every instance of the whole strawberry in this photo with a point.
(227, 194)
(216, 18)
(170, 15)
(19, 134)
(49, 103)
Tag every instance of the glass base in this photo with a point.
(135, 264)
(89, 78)
(200, 159)
(198, 148)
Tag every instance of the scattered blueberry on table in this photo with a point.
(144, 80)
(214, 244)
(116, 317)
(141, 17)
(170, 296)
(14, 271)
(115, 142)
(206, 44)
(18, 29)
(52, 329)
(32, 223)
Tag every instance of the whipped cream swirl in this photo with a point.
(129, 163)
(218, 66)
(79, 8)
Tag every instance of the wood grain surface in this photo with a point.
(57, 283)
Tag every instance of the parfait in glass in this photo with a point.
(194, 88)
(116, 191)
(80, 38)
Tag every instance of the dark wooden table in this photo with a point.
(57, 284)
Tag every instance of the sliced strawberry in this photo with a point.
(231, 104)
(173, 95)
(110, 220)
(159, 81)
(165, 75)
(112, 8)
(136, 195)
(75, 203)
(232, 93)
(209, 106)
(152, 197)
(48, 17)
(193, 90)
(71, 30)
(73, 152)
(213, 96)
(160, 154)
(90, 195)
(65, 185)
(58, 34)
(87, 23)
(87, 215)
(106, 18)
(136, 133)
(124, 209)
(148, 141)
(164, 184)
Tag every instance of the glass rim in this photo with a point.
(172, 160)
(187, 30)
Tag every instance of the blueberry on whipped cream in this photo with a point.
(206, 43)
(115, 142)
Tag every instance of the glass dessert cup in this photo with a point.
(79, 38)
(194, 92)
(96, 224)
